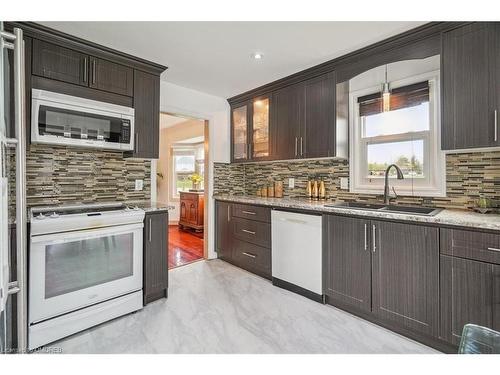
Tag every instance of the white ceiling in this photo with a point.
(215, 57)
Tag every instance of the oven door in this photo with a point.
(72, 270)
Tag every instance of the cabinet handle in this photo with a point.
(248, 231)
(296, 139)
(249, 255)
(496, 125)
(136, 142)
(149, 229)
(366, 237)
(301, 147)
(228, 213)
(249, 212)
(493, 249)
(85, 70)
(93, 71)
(374, 239)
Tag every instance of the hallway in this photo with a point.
(183, 247)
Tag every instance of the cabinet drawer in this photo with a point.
(188, 196)
(251, 257)
(470, 244)
(252, 231)
(252, 212)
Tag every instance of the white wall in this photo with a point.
(179, 100)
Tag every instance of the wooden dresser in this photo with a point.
(191, 210)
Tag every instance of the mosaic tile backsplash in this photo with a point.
(61, 175)
(468, 176)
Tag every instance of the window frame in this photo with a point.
(434, 182)
(180, 151)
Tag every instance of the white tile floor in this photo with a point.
(214, 307)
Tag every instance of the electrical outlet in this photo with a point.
(139, 184)
(344, 183)
(291, 183)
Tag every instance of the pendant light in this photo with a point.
(386, 94)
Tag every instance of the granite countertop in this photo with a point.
(149, 206)
(453, 217)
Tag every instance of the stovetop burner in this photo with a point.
(45, 220)
(86, 210)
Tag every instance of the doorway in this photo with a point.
(181, 175)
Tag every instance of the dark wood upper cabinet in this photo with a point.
(470, 293)
(147, 115)
(347, 261)
(250, 130)
(405, 275)
(240, 138)
(109, 76)
(471, 77)
(59, 63)
(319, 128)
(288, 120)
(297, 121)
(155, 275)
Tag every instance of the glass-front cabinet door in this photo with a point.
(250, 123)
(240, 133)
(260, 146)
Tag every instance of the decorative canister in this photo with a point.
(278, 189)
(263, 192)
(258, 193)
(270, 191)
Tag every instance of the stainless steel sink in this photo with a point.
(411, 210)
(357, 205)
(427, 211)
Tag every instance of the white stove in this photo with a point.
(85, 267)
(46, 220)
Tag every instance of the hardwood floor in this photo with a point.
(183, 247)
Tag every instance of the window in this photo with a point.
(184, 165)
(406, 135)
(186, 160)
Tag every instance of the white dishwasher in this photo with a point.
(297, 252)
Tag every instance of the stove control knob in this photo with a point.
(54, 215)
(40, 216)
(136, 208)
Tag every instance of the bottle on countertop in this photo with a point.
(315, 190)
(270, 190)
(278, 189)
(309, 189)
(322, 189)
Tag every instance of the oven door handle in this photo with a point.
(57, 238)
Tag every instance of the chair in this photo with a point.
(479, 340)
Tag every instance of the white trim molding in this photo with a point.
(433, 184)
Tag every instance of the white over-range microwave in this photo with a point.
(61, 119)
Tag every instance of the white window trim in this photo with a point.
(436, 182)
(179, 151)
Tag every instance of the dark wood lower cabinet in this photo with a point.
(470, 293)
(223, 230)
(243, 242)
(405, 275)
(347, 261)
(386, 272)
(155, 256)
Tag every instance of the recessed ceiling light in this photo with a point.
(257, 55)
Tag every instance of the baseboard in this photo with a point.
(297, 289)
